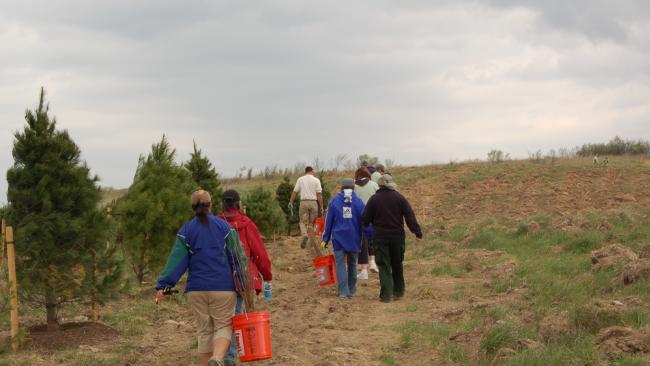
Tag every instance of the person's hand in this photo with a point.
(290, 205)
(160, 295)
(322, 211)
(324, 244)
(418, 236)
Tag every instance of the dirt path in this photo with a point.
(312, 326)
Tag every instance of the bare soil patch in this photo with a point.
(70, 335)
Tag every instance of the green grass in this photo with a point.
(78, 358)
(502, 335)
(629, 361)
(447, 269)
(421, 333)
(387, 359)
(578, 352)
(636, 318)
(591, 319)
(457, 233)
(454, 353)
(133, 321)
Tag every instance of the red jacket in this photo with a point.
(253, 245)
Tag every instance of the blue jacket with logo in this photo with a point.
(343, 223)
(200, 249)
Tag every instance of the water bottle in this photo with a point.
(267, 291)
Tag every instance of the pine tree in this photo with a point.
(204, 174)
(282, 195)
(264, 211)
(50, 195)
(154, 208)
(326, 191)
(104, 264)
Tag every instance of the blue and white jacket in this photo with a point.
(343, 223)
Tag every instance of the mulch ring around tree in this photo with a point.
(70, 335)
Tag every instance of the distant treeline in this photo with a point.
(617, 146)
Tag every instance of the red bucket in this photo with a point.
(325, 270)
(319, 226)
(253, 336)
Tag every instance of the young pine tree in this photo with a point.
(154, 208)
(326, 191)
(204, 174)
(51, 194)
(105, 277)
(282, 195)
(264, 210)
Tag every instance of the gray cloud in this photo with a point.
(275, 82)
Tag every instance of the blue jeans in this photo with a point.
(231, 355)
(346, 272)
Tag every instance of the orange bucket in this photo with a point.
(319, 226)
(325, 270)
(253, 336)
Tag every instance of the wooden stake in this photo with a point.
(2, 243)
(11, 262)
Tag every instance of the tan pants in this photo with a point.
(308, 212)
(213, 311)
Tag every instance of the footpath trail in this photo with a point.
(312, 326)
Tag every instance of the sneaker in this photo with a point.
(229, 363)
(373, 266)
(215, 362)
(363, 275)
(303, 245)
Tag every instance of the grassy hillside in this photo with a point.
(504, 276)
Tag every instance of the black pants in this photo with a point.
(389, 255)
(366, 250)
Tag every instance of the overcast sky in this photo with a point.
(260, 83)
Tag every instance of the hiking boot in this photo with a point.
(215, 362)
(303, 245)
(230, 363)
(373, 266)
(363, 275)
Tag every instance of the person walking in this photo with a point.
(311, 206)
(365, 188)
(259, 264)
(387, 211)
(343, 228)
(200, 249)
(379, 171)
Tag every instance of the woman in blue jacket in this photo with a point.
(343, 227)
(200, 249)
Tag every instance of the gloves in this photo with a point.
(324, 244)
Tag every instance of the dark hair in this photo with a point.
(309, 169)
(230, 199)
(228, 204)
(361, 173)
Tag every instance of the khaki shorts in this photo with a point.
(213, 311)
